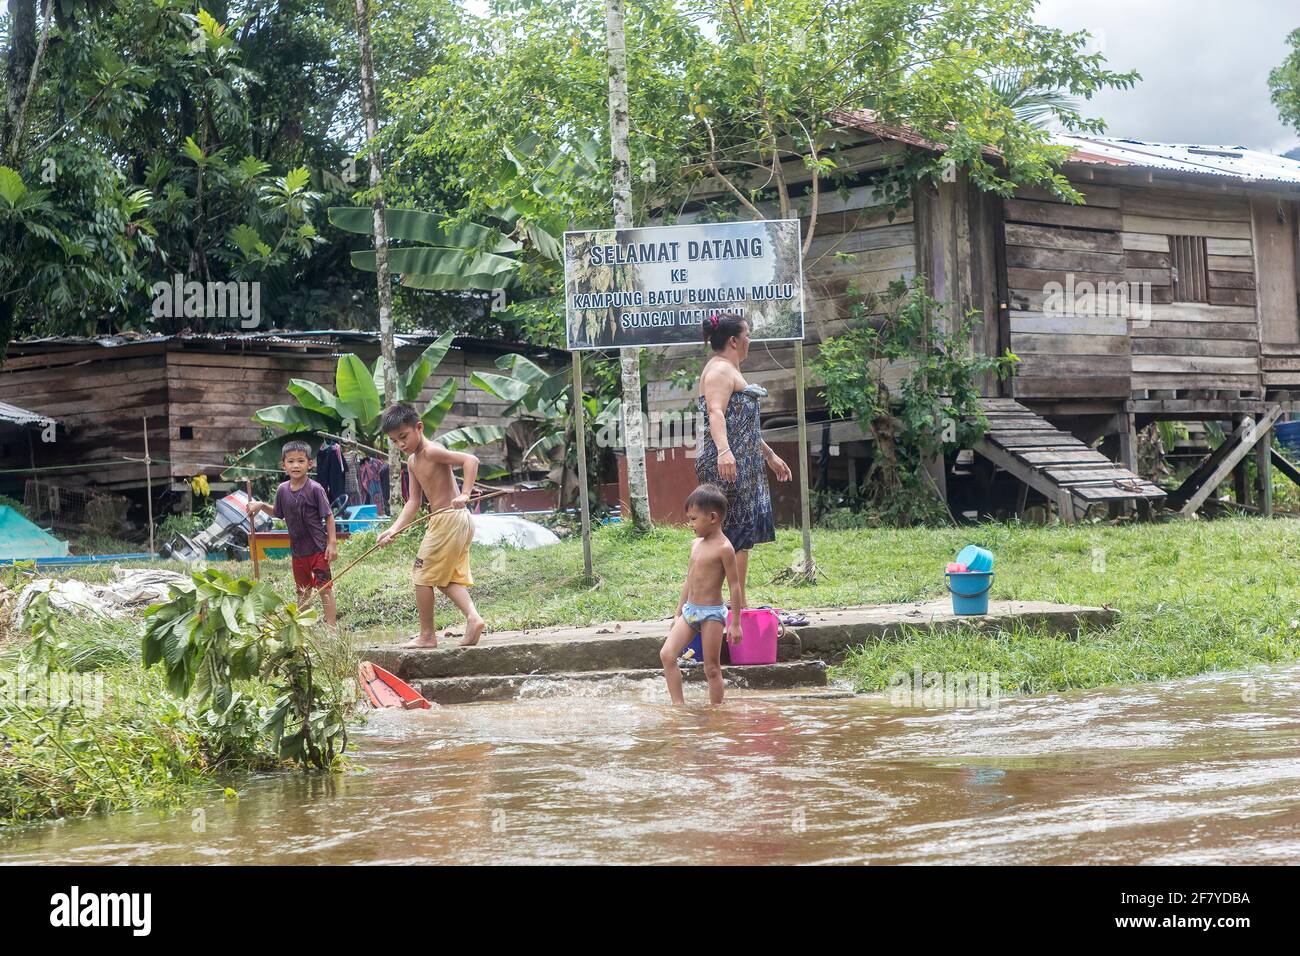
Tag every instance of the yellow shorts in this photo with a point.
(444, 551)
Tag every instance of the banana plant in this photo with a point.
(356, 407)
(442, 254)
(432, 251)
(544, 431)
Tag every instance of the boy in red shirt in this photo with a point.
(305, 508)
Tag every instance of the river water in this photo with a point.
(1204, 770)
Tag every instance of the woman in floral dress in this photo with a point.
(732, 452)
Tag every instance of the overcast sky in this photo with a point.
(1204, 66)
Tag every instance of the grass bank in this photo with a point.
(1195, 596)
(85, 728)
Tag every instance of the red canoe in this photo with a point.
(386, 690)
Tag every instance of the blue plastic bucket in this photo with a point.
(970, 591)
(975, 558)
(1288, 436)
(696, 645)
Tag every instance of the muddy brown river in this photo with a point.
(1205, 770)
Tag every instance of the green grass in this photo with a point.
(1195, 596)
(84, 728)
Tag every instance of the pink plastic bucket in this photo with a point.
(759, 630)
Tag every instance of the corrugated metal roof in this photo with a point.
(1236, 162)
(21, 416)
(326, 338)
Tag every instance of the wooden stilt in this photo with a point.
(148, 486)
(1264, 472)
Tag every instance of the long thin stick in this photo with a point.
(354, 443)
(148, 485)
(252, 532)
(376, 546)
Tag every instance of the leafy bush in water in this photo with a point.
(218, 629)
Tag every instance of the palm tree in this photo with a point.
(1029, 99)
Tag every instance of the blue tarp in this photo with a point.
(21, 540)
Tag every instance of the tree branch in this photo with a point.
(21, 121)
(723, 179)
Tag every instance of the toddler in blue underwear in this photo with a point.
(700, 608)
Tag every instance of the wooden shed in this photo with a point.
(196, 395)
(1170, 294)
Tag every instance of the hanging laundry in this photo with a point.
(329, 470)
(351, 485)
(372, 476)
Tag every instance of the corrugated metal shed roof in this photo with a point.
(326, 338)
(21, 416)
(1236, 162)
(1233, 162)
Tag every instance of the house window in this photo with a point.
(1189, 269)
(187, 433)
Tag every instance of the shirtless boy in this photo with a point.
(443, 559)
(700, 607)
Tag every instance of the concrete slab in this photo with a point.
(784, 677)
(830, 633)
(634, 645)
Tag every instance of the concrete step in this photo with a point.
(468, 689)
(634, 645)
(544, 655)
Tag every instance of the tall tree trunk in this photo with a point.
(629, 358)
(20, 58)
(387, 349)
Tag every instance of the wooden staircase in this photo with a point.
(1068, 473)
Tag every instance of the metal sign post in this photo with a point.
(148, 486)
(580, 424)
(805, 517)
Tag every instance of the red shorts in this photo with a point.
(312, 571)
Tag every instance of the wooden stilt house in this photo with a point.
(1171, 293)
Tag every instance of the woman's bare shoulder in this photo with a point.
(719, 373)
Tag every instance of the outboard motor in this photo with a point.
(230, 527)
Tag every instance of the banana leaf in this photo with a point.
(413, 379)
(500, 386)
(264, 455)
(414, 225)
(470, 436)
(356, 387)
(439, 406)
(317, 398)
(294, 418)
(468, 282)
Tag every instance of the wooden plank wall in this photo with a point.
(1084, 354)
(1123, 234)
(957, 249)
(100, 397)
(1277, 265)
(215, 391)
(1211, 345)
(101, 394)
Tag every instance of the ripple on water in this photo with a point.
(1198, 770)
